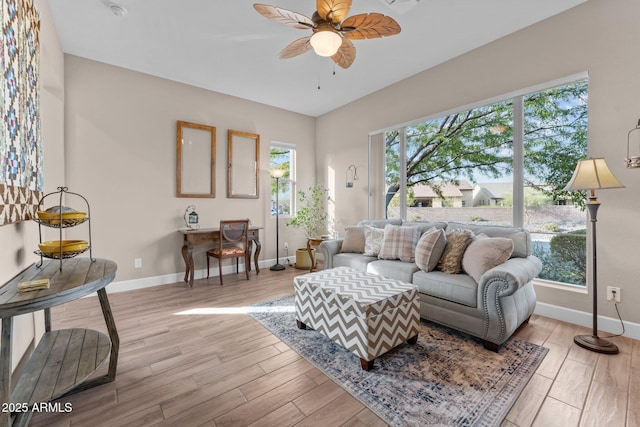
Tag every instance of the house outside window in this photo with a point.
(503, 163)
(282, 156)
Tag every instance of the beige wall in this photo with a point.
(120, 129)
(21, 239)
(109, 134)
(599, 37)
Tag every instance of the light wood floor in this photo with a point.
(225, 369)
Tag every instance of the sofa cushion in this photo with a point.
(521, 238)
(393, 269)
(458, 288)
(357, 261)
(430, 248)
(353, 239)
(484, 253)
(372, 240)
(380, 223)
(457, 242)
(399, 242)
(424, 226)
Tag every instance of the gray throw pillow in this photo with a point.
(353, 241)
(484, 253)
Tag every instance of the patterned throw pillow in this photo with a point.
(372, 240)
(353, 240)
(399, 243)
(430, 248)
(484, 253)
(457, 242)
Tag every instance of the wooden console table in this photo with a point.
(64, 359)
(192, 238)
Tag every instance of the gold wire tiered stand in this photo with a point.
(62, 249)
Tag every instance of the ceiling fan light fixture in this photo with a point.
(326, 42)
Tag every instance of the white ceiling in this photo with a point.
(226, 46)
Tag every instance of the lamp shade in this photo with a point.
(592, 174)
(277, 173)
(326, 42)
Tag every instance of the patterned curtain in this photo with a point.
(20, 139)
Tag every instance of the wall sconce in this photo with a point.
(191, 218)
(632, 161)
(352, 175)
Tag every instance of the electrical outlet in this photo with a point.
(137, 263)
(613, 294)
(285, 245)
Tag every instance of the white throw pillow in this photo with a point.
(372, 240)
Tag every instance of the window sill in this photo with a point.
(565, 287)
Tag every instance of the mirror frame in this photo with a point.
(181, 192)
(240, 162)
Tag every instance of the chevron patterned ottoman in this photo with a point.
(365, 313)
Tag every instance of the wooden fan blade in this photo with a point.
(284, 16)
(345, 56)
(333, 11)
(296, 48)
(369, 26)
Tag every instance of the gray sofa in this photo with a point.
(491, 309)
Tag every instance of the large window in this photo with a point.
(282, 156)
(503, 163)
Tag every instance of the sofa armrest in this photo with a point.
(511, 275)
(506, 296)
(329, 248)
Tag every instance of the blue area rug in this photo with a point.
(447, 379)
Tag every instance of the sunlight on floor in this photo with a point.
(238, 310)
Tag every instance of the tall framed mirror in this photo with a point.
(243, 167)
(196, 160)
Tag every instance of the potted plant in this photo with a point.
(311, 216)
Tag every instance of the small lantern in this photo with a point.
(632, 161)
(191, 218)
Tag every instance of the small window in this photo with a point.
(282, 157)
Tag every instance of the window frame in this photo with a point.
(291, 179)
(517, 99)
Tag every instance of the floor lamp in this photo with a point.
(277, 174)
(593, 174)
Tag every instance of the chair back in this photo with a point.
(234, 232)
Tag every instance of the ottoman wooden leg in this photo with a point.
(366, 364)
(301, 325)
(413, 340)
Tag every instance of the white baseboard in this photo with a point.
(607, 324)
(147, 282)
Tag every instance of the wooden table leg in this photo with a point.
(187, 254)
(311, 255)
(115, 347)
(257, 253)
(113, 333)
(5, 369)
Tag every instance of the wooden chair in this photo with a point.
(233, 243)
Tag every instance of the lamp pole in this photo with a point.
(277, 174)
(591, 174)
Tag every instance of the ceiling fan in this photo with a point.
(332, 33)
